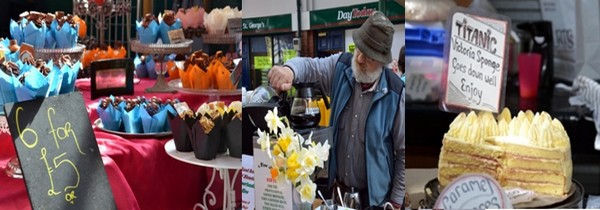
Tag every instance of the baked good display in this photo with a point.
(201, 71)
(530, 151)
(135, 115)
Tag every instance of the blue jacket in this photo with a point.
(379, 137)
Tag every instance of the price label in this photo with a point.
(476, 62)
(59, 156)
(262, 62)
(176, 36)
(473, 191)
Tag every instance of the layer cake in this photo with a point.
(529, 151)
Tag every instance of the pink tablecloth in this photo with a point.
(141, 174)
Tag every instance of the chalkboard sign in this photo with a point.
(59, 154)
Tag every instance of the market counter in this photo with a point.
(427, 124)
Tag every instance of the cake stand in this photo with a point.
(160, 50)
(74, 53)
(223, 163)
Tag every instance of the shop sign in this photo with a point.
(477, 62)
(289, 54)
(473, 191)
(262, 62)
(354, 15)
(277, 23)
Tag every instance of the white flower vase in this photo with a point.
(297, 201)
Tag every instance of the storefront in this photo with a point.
(332, 28)
(267, 41)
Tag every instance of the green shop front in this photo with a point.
(267, 41)
(330, 27)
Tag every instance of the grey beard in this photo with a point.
(364, 76)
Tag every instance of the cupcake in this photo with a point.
(168, 23)
(147, 29)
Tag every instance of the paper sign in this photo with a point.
(476, 62)
(269, 194)
(289, 54)
(262, 62)
(247, 182)
(176, 36)
(59, 155)
(351, 48)
(473, 191)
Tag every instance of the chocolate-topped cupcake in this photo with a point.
(117, 101)
(105, 102)
(66, 60)
(148, 18)
(23, 16)
(14, 68)
(37, 18)
(155, 99)
(48, 18)
(152, 108)
(130, 105)
(14, 46)
(41, 66)
(169, 17)
(22, 78)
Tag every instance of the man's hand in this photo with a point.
(281, 78)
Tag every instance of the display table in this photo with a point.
(141, 174)
(223, 163)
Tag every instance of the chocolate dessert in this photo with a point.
(152, 108)
(148, 18)
(13, 47)
(169, 17)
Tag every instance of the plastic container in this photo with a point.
(425, 42)
(424, 63)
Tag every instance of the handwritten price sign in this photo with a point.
(59, 155)
(476, 62)
(473, 191)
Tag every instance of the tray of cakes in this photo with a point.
(202, 74)
(135, 117)
(528, 154)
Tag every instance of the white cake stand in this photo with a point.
(223, 163)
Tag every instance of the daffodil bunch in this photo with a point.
(294, 158)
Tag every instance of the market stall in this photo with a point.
(138, 80)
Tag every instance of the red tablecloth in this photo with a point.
(141, 174)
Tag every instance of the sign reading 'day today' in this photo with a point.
(477, 61)
(59, 156)
(473, 191)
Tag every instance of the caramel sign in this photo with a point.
(473, 191)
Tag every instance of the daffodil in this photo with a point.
(322, 152)
(294, 158)
(307, 190)
(273, 121)
(308, 162)
(265, 141)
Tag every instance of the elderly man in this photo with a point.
(367, 113)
